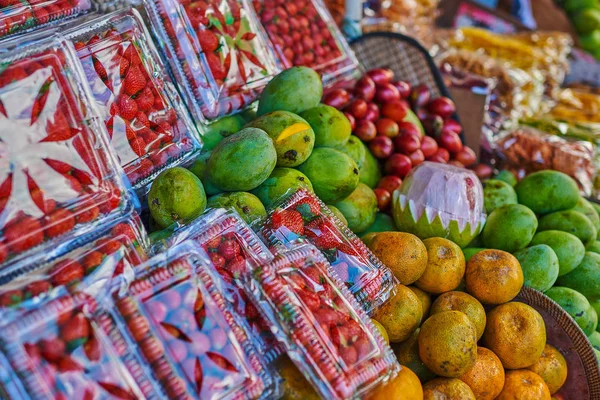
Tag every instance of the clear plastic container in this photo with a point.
(440, 200)
(218, 51)
(366, 277)
(149, 127)
(20, 15)
(188, 333)
(305, 34)
(68, 349)
(57, 175)
(329, 337)
(234, 249)
(114, 250)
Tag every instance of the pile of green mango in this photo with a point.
(249, 161)
(585, 16)
(553, 233)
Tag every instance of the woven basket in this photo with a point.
(583, 380)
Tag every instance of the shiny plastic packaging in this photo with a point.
(440, 200)
(233, 249)
(20, 15)
(218, 52)
(68, 349)
(305, 34)
(329, 337)
(89, 267)
(187, 332)
(57, 175)
(303, 215)
(149, 127)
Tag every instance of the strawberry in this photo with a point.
(91, 261)
(312, 202)
(100, 70)
(58, 129)
(141, 119)
(128, 108)
(3, 252)
(93, 40)
(229, 249)
(52, 349)
(124, 230)
(130, 133)
(348, 249)
(151, 139)
(208, 40)
(216, 66)
(138, 146)
(309, 298)
(123, 66)
(349, 355)
(108, 246)
(6, 187)
(87, 215)
(290, 219)
(158, 102)
(78, 45)
(76, 331)
(134, 81)
(59, 166)
(68, 364)
(217, 260)
(145, 100)
(11, 297)
(145, 168)
(47, 206)
(92, 349)
(36, 288)
(113, 198)
(23, 234)
(66, 272)
(59, 222)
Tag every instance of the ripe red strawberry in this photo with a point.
(66, 272)
(216, 66)
(152, 140)
(76, 331)
(6, 187)
(3, 252)
(68, 364)
(123, 66)
(113, 198)
(290, 219)
(108, 246)
(159, 158)
(309, 298)
(130, 133)
(10, 298)
(58, 129)
(47, 206)
(145, 168)
(141, 119)
(23, 234)
(92, 349)
(208, 40)
(313, 204)
(59, 222)
(158, 102)
(128, 108)
(36, 288)
(52, 349)
(347, 248)
(124, 230)
(100, 70)
(94, 39)
(91, 261)
(41, 15)
(138, 146)
(134, 81)
(145, 100)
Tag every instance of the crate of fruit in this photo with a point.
(149, 127)
(58, 177)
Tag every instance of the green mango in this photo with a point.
(548, 191)
(370, 172)
(247, 205)
(221, 129)
(509, 228)
(355, 149)
(586, 277)
(338, 214)
(242, 161)
(295, 90)
(496, 194)
(595, 340)
(332, 128)
(281, 182)
(383, 223)
(594, 247)
(572, 6)
(586, 208)
(540, 266)
(507, 176)
(359, 208)
(577, 306)
(591, 41)
(586, 21)
(568, 248)
(570, 221)
(332, 173)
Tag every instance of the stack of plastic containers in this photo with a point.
(217, 50)
(149, 127)
(58, 178)
(364, 275)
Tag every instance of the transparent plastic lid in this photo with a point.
(367, 278)
(329, 337)
(62, 351)
(218, 51)
(187, 332)
(116, 249)
(20, 15)
(305, 34)
(234, 250)
(57, 176)
(149, 127)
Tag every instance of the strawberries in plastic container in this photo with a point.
(62, 350)
(304, 34)
(187, 332)
(303, 216)
(331, 340)
(148, 125)
(218, 51)
(56, 175)
(19, 15)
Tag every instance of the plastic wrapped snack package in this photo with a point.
(525, 150)
(90, 267)
(233, 248)
(70, 349)
(329, 337)
(149, 127)
(20, 15)
(188, 333)
(440, 200)
(305, 34)
(303, 216)
(218, 51)
(58, 177)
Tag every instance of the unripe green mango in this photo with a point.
(540, 266)
(496, 194)
(547, 191)
(332, 128)
(509, 228)
(295, 90)
(577, 306)
(247, 205)
(281, 182)
(568, 248)
(359, 208)
(570, 221)
(586, 277)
